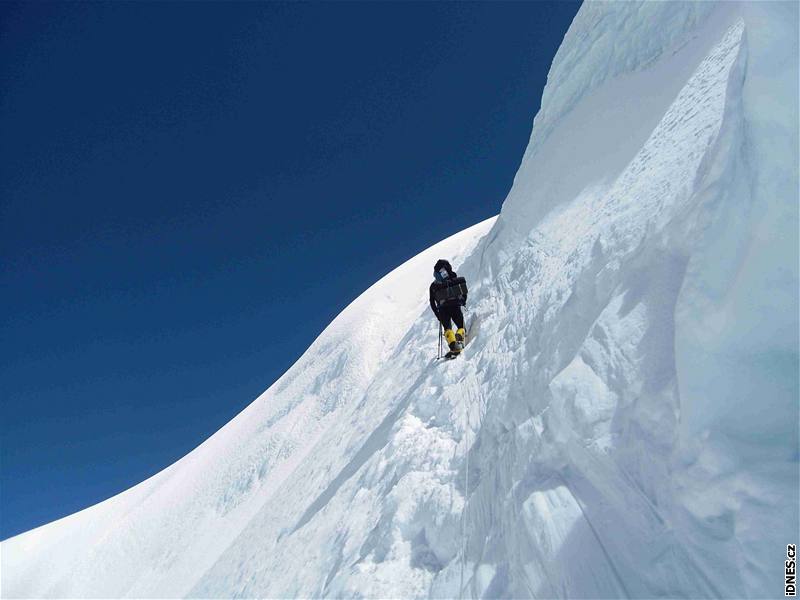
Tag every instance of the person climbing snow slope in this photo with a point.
(448, 293)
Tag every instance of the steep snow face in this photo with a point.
(624, 420)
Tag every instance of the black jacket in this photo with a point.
(436, 285)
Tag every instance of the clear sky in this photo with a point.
(190, 193)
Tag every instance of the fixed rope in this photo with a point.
(466, 500)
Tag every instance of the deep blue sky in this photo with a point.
(191, 192)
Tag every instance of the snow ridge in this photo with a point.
(623, 422)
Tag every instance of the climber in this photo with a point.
(448, 293)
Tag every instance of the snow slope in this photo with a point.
(624, 422)
(158, 537)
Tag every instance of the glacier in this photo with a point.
(624, 420)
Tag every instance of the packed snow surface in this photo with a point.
(624, 420)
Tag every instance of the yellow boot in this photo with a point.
(461, 338)
(450, 336)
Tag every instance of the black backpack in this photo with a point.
(450, 291)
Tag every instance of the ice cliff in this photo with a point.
(624, 422)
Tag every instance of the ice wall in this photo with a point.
(654, 224)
